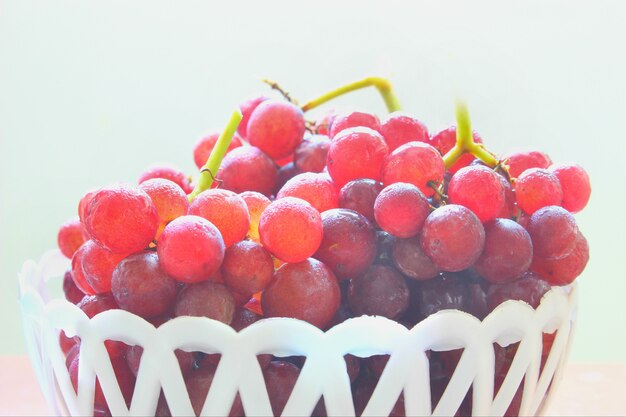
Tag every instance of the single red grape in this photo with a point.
(122, 218)
(415, 163)
(78, 275)
(410, 259)
(72, 293)
(359, 195)
(537, 188)
(291, 229)
(305, 290)
(276, 127)
(204, 146)
(349, 243)
(168, 172)
(448, 291)
(317, 189)
(453, 237)
(445, 140)
(71, 235)
(280, 378)
(401, 209)
(168, 198)
(247, 107)
(381, 291)
(507, 254)
(83, 203)
(565, 270)
(521, 161)
(226, 210)
(191, 249)
(206, 299)
(553, 231)
(354, 119)
(310, 155)
(400, 128)
(98, 266)
(575, 184)
(479, 189)
(356, 153)
(247, 168)
(529, 288)
(256, 203)
(248, 267)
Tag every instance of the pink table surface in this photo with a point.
(586, 390)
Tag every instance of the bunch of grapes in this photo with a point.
(321, 221)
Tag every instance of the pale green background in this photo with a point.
(94, 92)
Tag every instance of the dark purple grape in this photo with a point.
(381, 291)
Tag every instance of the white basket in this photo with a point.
(324, 372)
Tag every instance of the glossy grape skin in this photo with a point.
(356, 153)
(191, 249)
(206, 299)
(247, 107)
(400, 128)
(351, 120)
(359, 195)
(122, 218)
(82, 206)
(95, 304)
(280, 378)
(72, 293)
(384, 245)
(71, 236)
(317, 189)
(553, 231)
(529, 288)
(401, 209)
(479, 189)
(226, 211)
(276, 127)
(169, 173)
(521, 161)
(349, 243)
(381, 291)
(410, 259)
(247, 268)
(415, 163)
(98, 265)
(509, 208)
(247, 168)
(291, 229)
(168, 198)
(575, 184)
(256, 203)
(448, 291)
(205, 145)
(305, 290)
(445, 140)
(536, 188)
(78, 275)
(452, 237)
(310, 155)
(565, 270)
(140, 285)
(508, 251)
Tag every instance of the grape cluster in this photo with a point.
(322, 221)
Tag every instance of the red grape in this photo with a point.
(276, 127)
(67, 343)
(285, 173)
(410, 259)
(537, 188)
(310, 155)
(359, 195)
(416, 163)
(479, 189)
(244, 318)
(168, 198)
(381, 291)
(349, 243)
(305, 290)
(521, 161)
(226, 210)
(509, 208)
(198, 384)
(204, 146)
(206, 299)
(95, 304)
(575, 184)
(83, 203)
(98, 266)
(316, 189)
(507, 254)
(354, 119)
(72, 293)
(453, 237)
(553, 231)
(445, 140)
(191, 249)
(528, 288)
(247, 107)
(280, 378)
(291, 229)
(78, 275)
(248, 267)
(401, 209)
(122, 218)
(448, 291)
(247, 168)
(134, 353)
(400, 128)
(565, 270)
(356, 153)
(256, 203)
(71, 235)
(169, 173)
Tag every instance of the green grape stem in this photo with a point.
(382, 85)
(465, 141)
(208, 173)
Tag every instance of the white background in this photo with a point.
(95, 92)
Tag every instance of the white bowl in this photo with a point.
(324, 372)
